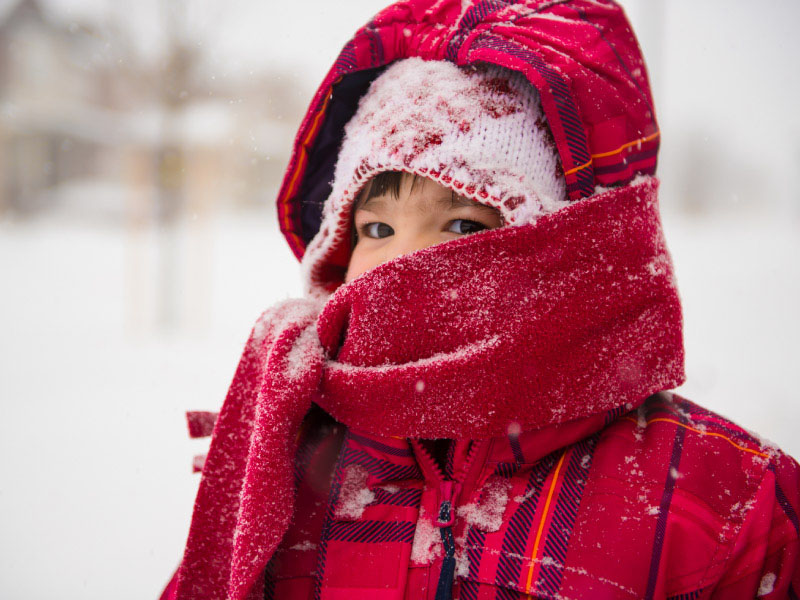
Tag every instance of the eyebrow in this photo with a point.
(451, 201)
(456, 201)
(361, 203)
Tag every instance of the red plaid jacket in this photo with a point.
(669, 501)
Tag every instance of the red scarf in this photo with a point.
(519, 327)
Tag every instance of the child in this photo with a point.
(470, 401)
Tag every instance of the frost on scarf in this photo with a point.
(276, 319)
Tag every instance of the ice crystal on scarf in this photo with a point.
(276, 318)
(305, 351)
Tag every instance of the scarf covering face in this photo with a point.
(528, 327)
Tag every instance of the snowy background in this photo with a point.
(117, 314)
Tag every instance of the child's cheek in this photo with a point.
(359, 262)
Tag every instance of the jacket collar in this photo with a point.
(472, 462)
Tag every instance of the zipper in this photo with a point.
(444, 589)
(427, 461)
(449, 490)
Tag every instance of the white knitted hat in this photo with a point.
(479, 131)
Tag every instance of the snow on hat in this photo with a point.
(477, 130)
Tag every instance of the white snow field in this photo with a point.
(96, 487)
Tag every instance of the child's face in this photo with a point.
(423, 214)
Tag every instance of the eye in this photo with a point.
(465, 226)
(377, 230)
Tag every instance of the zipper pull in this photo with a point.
(448, 491)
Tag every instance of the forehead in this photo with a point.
(413, 190)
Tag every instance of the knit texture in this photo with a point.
(478, 130)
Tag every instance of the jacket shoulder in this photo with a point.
(668, 426)
(725, 497)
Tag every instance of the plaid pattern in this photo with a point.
(688, 596)
(509, 567)
(616, 513)
(567, 128)
(371, 532)
(474, 15)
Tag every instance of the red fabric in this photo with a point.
(171, 589)
(200, 423)
(725, 532)
(581, 55)
(520, 328)
(595, 498)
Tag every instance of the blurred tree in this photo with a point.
(175, 75)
